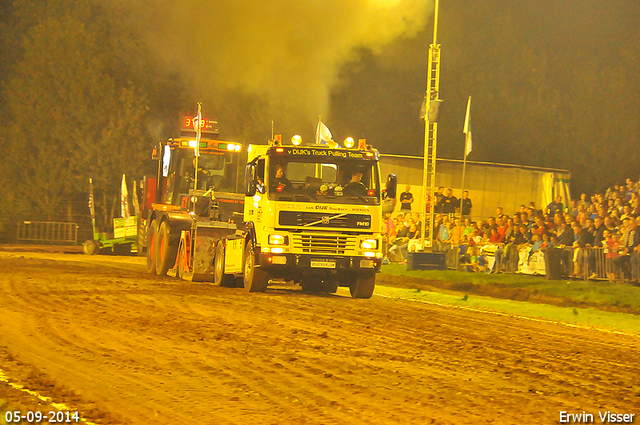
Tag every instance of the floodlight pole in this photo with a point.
(431, 134)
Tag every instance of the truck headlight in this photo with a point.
(369, 244)
(278, 240)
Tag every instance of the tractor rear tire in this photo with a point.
(254, 278)
(363, 285)
(165, 250)
(152, 237)
(219, 276)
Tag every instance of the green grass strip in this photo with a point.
(585, 317)
(600, 292)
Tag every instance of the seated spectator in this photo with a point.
(609, 192)
(395, 254)
(539, 227)
(536, 240)
(584, 202)
(413, 234)
(494, 237)
(573, 209)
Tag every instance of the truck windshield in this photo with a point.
(332, 181)
(217, 171)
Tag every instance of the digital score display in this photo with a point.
(204, 124)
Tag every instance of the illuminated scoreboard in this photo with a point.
(208, 128)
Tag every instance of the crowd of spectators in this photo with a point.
(607, 221)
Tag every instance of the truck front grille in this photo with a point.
(323, 244)
(324, 219)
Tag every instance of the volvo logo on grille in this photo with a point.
(325, 219)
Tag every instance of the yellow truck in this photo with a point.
(312, 215)
(308, 214)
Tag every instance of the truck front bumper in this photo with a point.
(319, 263)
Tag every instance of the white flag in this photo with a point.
(136, 203)
(323, 136)
(467, 129)
(124, 198)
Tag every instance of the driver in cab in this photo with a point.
(279, 182)
(355, 187)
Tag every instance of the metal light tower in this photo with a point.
(431, 131)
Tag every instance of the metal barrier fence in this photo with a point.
(582, 263)
(47, 232)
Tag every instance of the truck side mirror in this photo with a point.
(392, 185)
(249, 179)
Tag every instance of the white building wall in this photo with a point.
(490, 185)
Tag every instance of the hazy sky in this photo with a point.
(547, 77)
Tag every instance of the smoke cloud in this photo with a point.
(286, 52)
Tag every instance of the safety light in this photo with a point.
(371, 192)
(279, 150)
(296, 140)
(280, 188)
(369, 244)
(231, 147)
(278, 240)
(362, 144)
(192, 143)
(349, 142)
(194, 199)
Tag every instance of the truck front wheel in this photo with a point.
(254, 278)
(363, 285)
(219, 276)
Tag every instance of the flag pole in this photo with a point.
(467, 148)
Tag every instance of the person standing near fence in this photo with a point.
(555, 206)
(583, 240)
(598, 237)
(450, 203)
(465, 209)
(629, 257)
(406, 199)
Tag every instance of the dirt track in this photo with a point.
(123, 347)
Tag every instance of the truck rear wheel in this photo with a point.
(219, 276)
(165, 250)
(363, 285)
(91, 247)
(152, 236)
(254, 278)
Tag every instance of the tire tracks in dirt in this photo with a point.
(138, 349)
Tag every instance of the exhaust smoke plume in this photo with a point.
(286, 52)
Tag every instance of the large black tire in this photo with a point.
(330, 286)
(311, 285)
(219, 276)
(165, 250)
(254, 278)
(91, 247)
(152, 237)
(363, 285)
